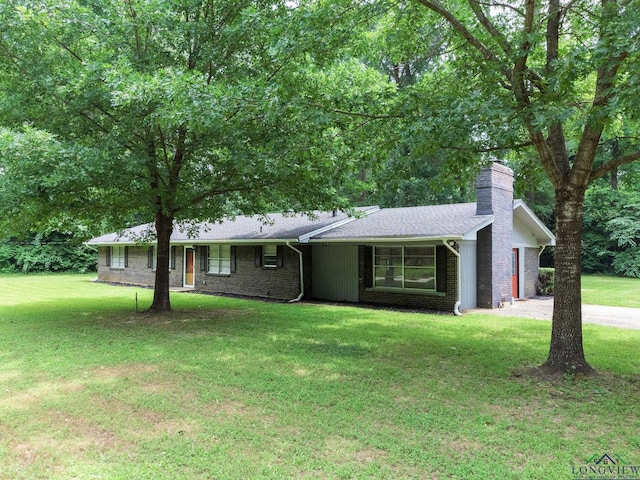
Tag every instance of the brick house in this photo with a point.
(444, 257)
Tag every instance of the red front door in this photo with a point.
(188, 267)
(515, 268)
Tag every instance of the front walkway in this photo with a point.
(541, 308)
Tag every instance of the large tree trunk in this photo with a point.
(566, 354)
(164, 228)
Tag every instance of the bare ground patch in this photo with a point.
(183, 316)
(26, 399)
(343, 450)
(126, 370)
(64, 419)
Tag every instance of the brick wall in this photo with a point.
(278, 283)
(531, 271)
(494, 187)
(281, 283)
(137, 271)
(443, 302)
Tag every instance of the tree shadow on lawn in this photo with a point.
(486, 346)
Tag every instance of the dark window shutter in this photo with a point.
(280, 256)
(126, 256)
(233, 259)
(150, 257)
(368, 267)
(174, 250)
(204, 258)
(441, 268)
(108, 255)
(258, 256)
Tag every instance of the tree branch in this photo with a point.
(489, 149)
(236, 188)
(62, 44)
(604, 91)
(67, 48)
(613, 164)
(458, 26)
(371, 116)
(136, 33)
(556, 138)
(503, 5)
(490, 27)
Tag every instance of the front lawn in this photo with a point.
(612, 291)
(235, 389)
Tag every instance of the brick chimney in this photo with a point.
(494, 190)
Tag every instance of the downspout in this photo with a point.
(540, 252)
(299, 297)
(456, 306)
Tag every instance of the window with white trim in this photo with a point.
(152, 258)
(118, 256)
(270, 256)
(219, 261)
(405, 267)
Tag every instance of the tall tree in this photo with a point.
(407, 47)
(559, 73)
(170, 110)
(612, 224)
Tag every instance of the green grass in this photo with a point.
(234, 389)
(612, 291)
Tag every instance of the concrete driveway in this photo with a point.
(541, 308)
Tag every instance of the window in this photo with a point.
(173, 252)
(270, 256)
(118, 256)
(219, 259)
(152, 259)
(405, 267)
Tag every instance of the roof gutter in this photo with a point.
(456, 306)
(301, 267)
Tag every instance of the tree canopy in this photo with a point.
(175, 110)
(562, 77)
(169, 111)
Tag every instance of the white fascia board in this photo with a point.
(533, 218)
(307, 237)
(280, 241)
(386, 240)
(112, 243)
(473, 233)
(234, 241)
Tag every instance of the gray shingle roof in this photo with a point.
(274, 227)
(438, 221)
(409, 223)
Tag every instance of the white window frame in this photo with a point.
(270, 256)
(154, 256)
(219, 259)
(118, 257)
(400, 270)
(154, 263)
